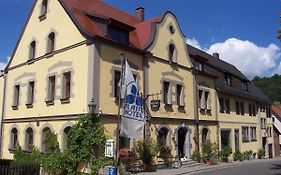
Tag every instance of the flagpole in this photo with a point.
(119, 105)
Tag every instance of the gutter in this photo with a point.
(3, 112)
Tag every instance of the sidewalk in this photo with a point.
(193, 169)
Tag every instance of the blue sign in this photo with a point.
(112, 171)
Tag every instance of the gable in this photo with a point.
(167, 32)
(36, 29)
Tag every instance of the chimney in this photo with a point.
(140, 13)
(216, 55)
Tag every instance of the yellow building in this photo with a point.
(69, 53)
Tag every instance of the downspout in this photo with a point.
(147, 132)
(196, 115)
(3, 112)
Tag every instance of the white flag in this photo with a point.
(132, 122)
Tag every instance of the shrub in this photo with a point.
(238, 156)
(248, 154)
(147, 150)
(207, 150)
(225, 153)
(196, 156)
(261, 153)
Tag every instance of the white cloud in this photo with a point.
(251, 59)
(193, 42)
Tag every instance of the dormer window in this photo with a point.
(227, 80)
(172, 54)
(32, 49)
(245, 86)
(118, 35)
(44, 8)
(198, 66)
(172, 30)
(51, 43)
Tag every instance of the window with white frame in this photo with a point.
(14, 138)
(227, 80)
(32, 50)
(204, 100)
(44, 8)
(66, 85)
(253, 133)
(46, 134)
(172, 55)
(16, 96)
(167, 95)
(29, 139)
(65, 137)
(180, 95)
(51, 43)
(31, 92)
(245, 134)
(242, 108)
(51, 89)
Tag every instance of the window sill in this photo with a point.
(65, 100)
(30, 61)
(245, 141)
(254, 140)
(29, 105)
(12, 150)
(15, 107)
(27, 151)
(42, 17)
(49, 102)
(168, 105)
(49, 54)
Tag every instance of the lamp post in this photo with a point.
(92, 107)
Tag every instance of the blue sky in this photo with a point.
(243, 32)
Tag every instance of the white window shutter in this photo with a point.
(209, 106)
(169, 96)
(202, 101)
(182, 97)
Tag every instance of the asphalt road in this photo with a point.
(261, 168)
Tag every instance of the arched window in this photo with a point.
(45, 136)
(32, 50)
(171, 53)
(14, 138)
(65, 137)
(29, 139)
(205, 135)
(162, 136)
(51, 43)
(44, 7)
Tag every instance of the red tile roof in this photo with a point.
(276, 110)
(82, 13)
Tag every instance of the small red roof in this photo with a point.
(82, 13)
(276, 110)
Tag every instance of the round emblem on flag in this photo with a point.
(133, 96)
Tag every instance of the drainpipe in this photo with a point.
(145, 93)
(3, 111)
(196, 115)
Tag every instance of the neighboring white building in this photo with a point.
(276, 117)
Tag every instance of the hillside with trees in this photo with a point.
(271, 86)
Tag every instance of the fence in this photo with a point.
(19, 169)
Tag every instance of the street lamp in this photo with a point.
(92, 106)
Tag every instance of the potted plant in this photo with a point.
(225, 153)
(196, 156)
(248, 154)
(147, 150)
(238, 156)
(207, 152)
(261, 153)
(165, 153)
